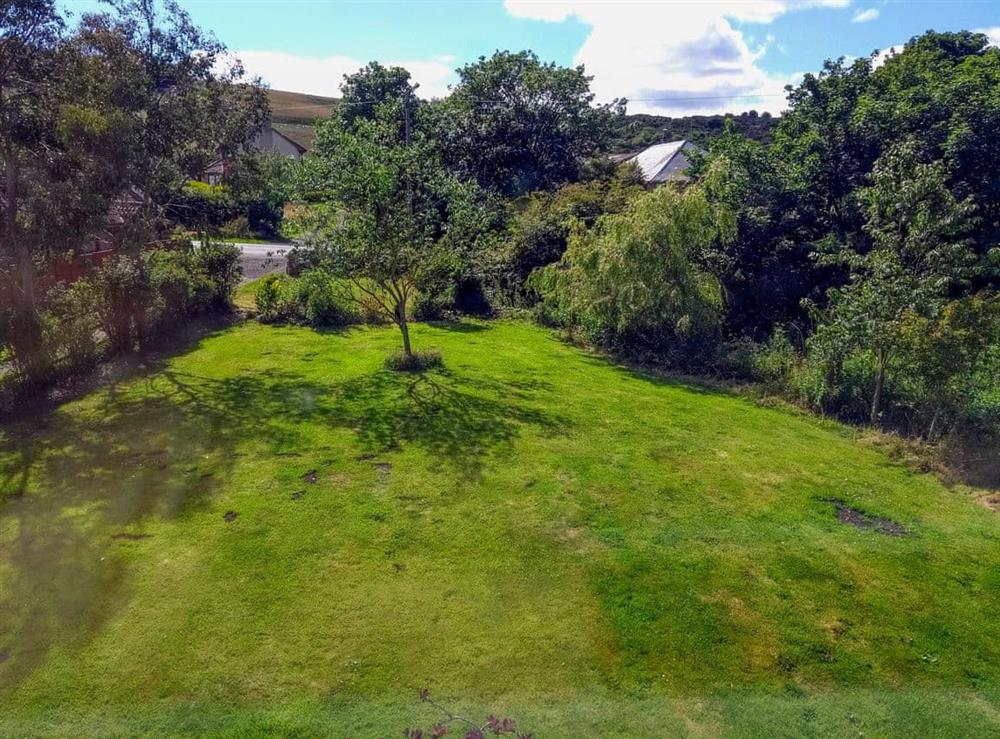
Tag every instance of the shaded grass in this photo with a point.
(530, 530)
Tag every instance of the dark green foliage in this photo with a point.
(124, 296)
(183, 285)
(515, 124)
(222, 266)
(869, 231)
(374, 91)
(635, 132)
(313, 299)
(540, 225)
(203, 207)
(260, 184)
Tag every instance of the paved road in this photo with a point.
(261, 259)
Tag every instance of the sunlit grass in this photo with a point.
(529, 529)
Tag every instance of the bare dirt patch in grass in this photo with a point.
(991, 501)
(860, 520)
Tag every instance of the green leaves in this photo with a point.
(632, 281)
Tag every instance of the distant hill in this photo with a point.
(293, 114)
(636, 132)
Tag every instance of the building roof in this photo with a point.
(300, 147)
(659, 162)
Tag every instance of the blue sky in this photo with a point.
(667, 57)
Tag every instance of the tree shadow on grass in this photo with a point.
(76, 485)
(458, 420)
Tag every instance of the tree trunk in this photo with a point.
(883, 356)
(934, 422)
(404, 327)
(24, 273)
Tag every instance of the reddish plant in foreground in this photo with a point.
(470, 729)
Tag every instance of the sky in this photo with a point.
(676, 57)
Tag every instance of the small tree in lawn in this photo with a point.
(380, 216)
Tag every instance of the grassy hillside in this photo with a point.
(298, 107)
(293, 114)
(270, 534)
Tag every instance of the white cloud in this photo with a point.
(675, 58)
(863, 16)
(993, 34)
(882, 55)
(322, 76)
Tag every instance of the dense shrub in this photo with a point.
(223, 267)
(272, 299)
(183, 285)
(432, 306)
(312, 298)
(71, 327)
(323, 305)
(203, 207)
(125, 299)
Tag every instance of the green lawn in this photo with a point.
(531, 530)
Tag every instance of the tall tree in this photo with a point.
(515, 124)
(186, 102)
(376, 90)
(29, 33)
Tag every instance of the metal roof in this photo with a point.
(656, 158)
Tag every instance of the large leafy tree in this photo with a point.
(920, 234)
(29, 34)
(515, 124)
(376, 91)
(62, 160)
(184, 101)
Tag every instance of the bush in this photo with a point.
(633, 282)
(271, 299)
(236, 228)
(415, 362)
(322, 305)
(125, 299)
(224, 268)
(203, 207)
(183, 284)
(71, 325)
(22, 336)
(311, 299)
(431, 307)
(774, 362)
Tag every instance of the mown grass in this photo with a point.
(529, 530)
